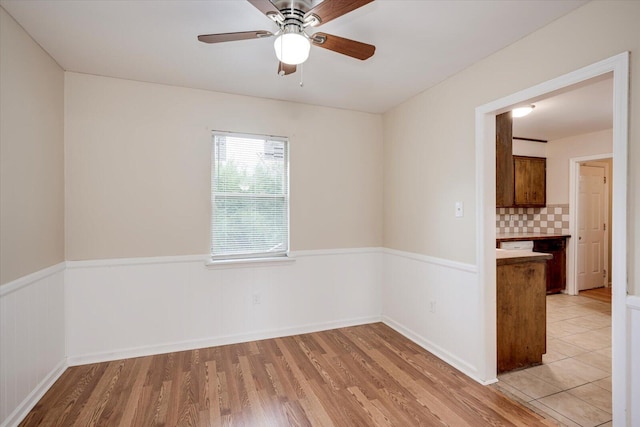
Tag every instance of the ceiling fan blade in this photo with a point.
(331, 9)
(229, 37)
(265, 6)
(286, 69)
(344, 46)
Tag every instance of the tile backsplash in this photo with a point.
(549, 219)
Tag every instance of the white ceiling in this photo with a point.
(419, 43)
(580, 109)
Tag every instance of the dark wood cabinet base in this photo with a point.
(521, 314)
(556, 267)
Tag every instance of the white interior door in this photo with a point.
(591, 224)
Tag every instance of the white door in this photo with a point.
(591, 235)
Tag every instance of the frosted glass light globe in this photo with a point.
(292, 48)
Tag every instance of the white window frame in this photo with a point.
(257, 256)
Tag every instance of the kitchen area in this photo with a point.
(531, 242)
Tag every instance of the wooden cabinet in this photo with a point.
(556, 267)
(530, 181)
(521, 313)
(504, 160)
(520, 181)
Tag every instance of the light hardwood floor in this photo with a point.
(599, 294)
(359, 376)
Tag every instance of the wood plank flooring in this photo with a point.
(359, 376)
(599, 294)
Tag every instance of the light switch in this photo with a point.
(459, 209)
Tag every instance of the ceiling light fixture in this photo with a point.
(523, 111)
(292, 46)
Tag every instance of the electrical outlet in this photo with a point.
(432, 306)
(256, 298)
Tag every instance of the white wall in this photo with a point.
(31, 155)
(32, 340)
(633, 304)
(430, 160)
(133, 307)
(137, 160)
(433, 302)
(529, 148)
(32, 335)
(559, 152)
(429, 139)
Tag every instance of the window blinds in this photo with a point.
(250, 196)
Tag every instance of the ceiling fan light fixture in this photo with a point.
(292, 48)
(523, 111)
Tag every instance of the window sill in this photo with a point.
(249, 262)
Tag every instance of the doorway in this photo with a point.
(574, 380)
(590, 200)
(486, 215)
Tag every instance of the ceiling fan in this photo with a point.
(292, 43)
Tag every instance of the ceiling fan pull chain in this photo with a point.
(301, 75)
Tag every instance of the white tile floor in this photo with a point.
(573, 384)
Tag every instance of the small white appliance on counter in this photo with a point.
(522, 245)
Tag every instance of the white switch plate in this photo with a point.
(459, 209)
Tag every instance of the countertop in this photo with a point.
(505, 257)
(505, 237)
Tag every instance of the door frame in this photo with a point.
(485, 126)
(574, 205)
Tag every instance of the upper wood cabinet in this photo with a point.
(504, 160)
(530, 181)
(520, 181)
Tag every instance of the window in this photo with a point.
(250, 196)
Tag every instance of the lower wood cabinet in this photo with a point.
(557, 266)
(521, 314)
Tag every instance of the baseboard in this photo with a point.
(216, 341)
(436, 350)
(36, 394)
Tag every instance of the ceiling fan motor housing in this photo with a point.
(293, 21)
